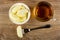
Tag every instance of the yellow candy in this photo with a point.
(22, 13)
(21, 19)
(15, 9)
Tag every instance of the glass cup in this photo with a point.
(19, 10)
(43, 11)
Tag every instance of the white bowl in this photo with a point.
(24, 6)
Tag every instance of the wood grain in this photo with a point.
(8, 29)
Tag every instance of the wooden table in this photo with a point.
(8, 29)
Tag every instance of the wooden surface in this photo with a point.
(8, 29)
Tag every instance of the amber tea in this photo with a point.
(43, 11)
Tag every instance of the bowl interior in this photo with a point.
(28, 17)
